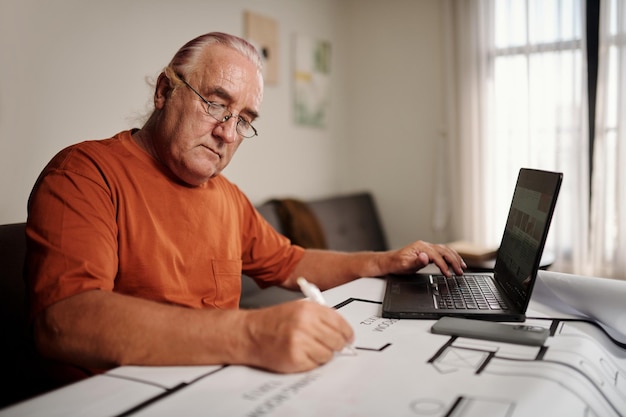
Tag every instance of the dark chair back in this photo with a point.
(19, 368)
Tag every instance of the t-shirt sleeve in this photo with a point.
(71, 233)
(268, 256)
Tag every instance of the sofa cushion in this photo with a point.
(350, 222)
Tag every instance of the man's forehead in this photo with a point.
(223, 61)
(228, 73)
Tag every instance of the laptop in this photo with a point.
(501, 295)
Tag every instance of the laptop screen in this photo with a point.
(525, 233)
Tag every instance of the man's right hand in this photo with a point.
(296, 336)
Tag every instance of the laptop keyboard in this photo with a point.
(468, 292)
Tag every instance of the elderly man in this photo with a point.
(137, 242)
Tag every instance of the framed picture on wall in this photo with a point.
(311, 77)
(262, 32)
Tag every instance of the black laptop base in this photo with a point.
(406, 307)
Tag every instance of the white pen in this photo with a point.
(314, 294)
(311, 291)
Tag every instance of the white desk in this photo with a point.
(401, 369)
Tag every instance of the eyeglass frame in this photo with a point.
(227, 113)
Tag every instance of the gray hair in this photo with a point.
(186, 60)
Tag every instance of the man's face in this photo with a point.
(190, 142)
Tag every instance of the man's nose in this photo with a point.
(227, 130)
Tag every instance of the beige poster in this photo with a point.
(262, 32)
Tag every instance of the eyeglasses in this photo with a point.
(220, 113)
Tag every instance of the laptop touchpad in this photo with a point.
(411, 294)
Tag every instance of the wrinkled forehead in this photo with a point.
(228, 69)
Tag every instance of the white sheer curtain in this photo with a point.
(608, 214)
(467, 34)
(517, 98)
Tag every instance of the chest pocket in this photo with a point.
(227, 276)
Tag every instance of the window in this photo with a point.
(542, 84)
(536, 108)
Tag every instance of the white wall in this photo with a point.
(394, 95)
(75, 70)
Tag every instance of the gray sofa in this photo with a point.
(350, 222)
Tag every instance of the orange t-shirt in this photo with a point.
(105, 215)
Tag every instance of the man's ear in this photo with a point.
(162, 91)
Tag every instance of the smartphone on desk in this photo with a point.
(520, 334)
